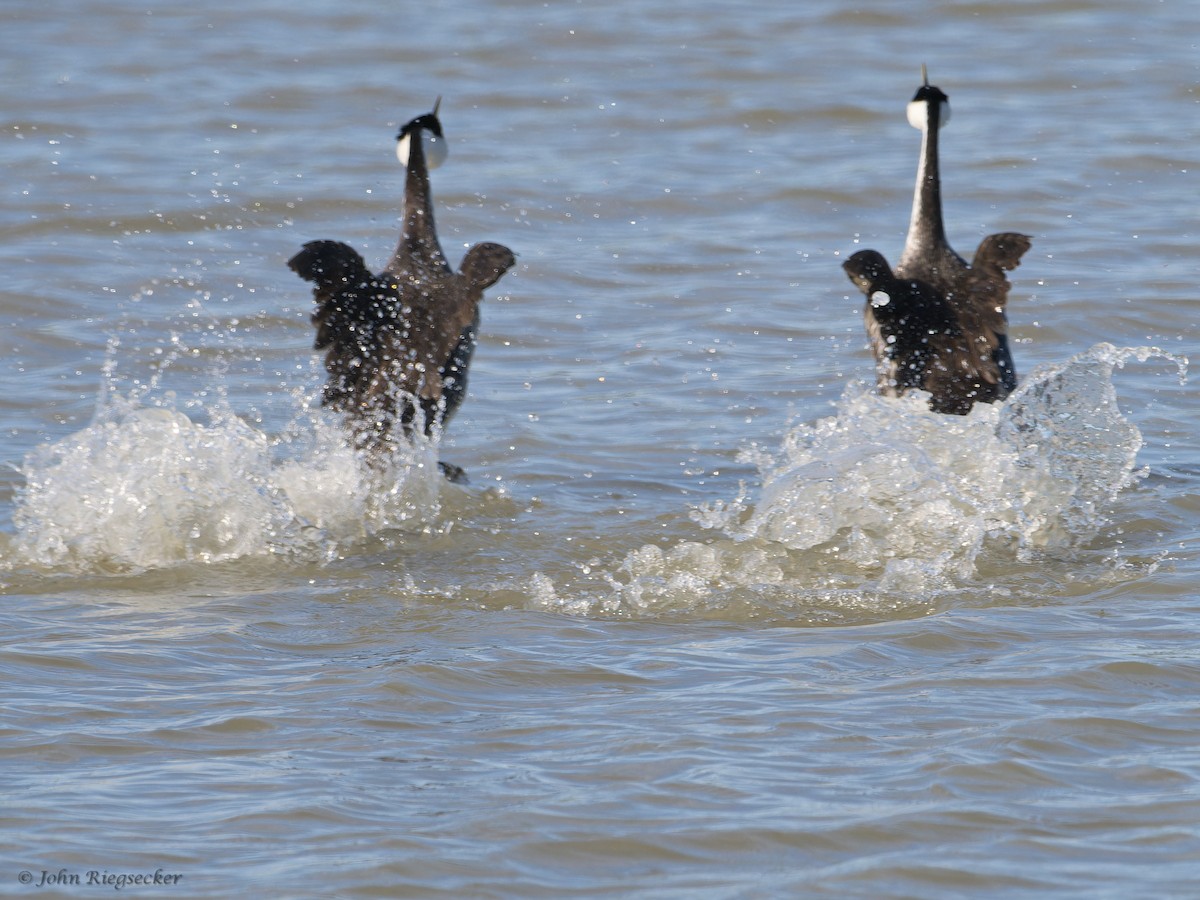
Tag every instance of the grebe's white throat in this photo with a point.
(434, 146)
(918, 114)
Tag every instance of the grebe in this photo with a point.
(968, 351)
(398, 344)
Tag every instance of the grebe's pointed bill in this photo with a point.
(433, 142)
(928, 98)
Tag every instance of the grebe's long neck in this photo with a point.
(419, 239)
(926, 241)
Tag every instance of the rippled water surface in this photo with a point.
(710, 619)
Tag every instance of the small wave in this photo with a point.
(888, 504)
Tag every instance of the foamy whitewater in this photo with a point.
(144, 486)
(884, 502)
(889, 503)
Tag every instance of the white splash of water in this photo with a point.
(144, 486)
(887, 502)
(889, 483)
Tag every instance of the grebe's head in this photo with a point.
(428, 129)
(928, 104)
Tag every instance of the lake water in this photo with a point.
(711, 619)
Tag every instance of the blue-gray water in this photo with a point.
(711, 620)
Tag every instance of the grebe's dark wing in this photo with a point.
(345, 290)
(987, 285)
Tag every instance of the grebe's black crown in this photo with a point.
(928, 92)
(429, 121)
